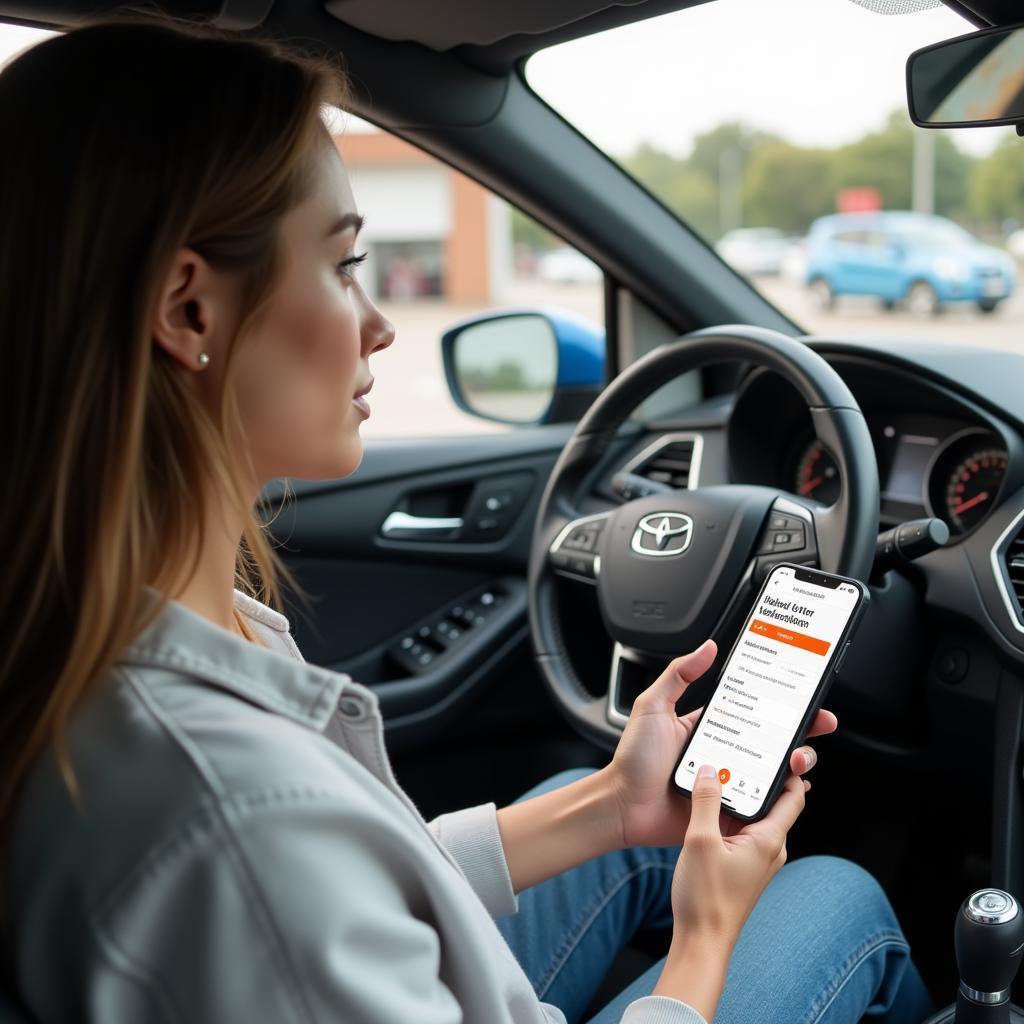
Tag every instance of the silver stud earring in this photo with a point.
(204, 358)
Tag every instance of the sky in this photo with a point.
(818, 72)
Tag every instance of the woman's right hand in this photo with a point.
(719, 878)
(717, 881)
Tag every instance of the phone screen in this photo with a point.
(770, 679)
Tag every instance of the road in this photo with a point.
(853, 317)
(410, 397)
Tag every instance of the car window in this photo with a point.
(879, 240)
(440, 248)
(741, 115)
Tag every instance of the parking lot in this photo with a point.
(410, 397)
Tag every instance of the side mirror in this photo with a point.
(524, 366)
(976, 79)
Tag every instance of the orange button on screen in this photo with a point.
(723, 776)
(789, 636)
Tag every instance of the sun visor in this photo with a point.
(442, 24)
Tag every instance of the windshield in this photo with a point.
(752, 120)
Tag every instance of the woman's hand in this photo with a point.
(717, 881)
(720, 877)
(651, 812)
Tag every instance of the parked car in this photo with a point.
(754, 250)
(794, 260)
(567, 266)
(1015, 244)
(918, 259)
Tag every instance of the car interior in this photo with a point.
(482, 586)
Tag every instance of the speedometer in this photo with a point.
(973, 486)
(965, 479)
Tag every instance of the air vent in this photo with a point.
(672, 460)
(1014, 559)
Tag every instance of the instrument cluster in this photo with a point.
(926, 466)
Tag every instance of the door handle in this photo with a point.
(402, 526)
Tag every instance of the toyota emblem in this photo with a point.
(662, 533)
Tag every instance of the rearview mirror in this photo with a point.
(976, 79)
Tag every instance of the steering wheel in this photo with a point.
(672, 569)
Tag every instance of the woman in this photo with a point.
(198, 825)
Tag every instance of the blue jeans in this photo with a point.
(822, 946)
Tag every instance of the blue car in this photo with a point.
(902, 257)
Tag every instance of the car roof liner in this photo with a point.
(492, 35)
(229, 14)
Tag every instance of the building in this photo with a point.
(430, 231)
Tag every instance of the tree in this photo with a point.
(786, 187)
(996, 184)
(709, 148)
(953, 169)
(686, 191)
(885, 160)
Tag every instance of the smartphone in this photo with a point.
(791, 647)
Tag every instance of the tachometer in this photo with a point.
(972, 487)
(817, 475)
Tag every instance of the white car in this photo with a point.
(754, 250)
(567, 266)
(1015, 244)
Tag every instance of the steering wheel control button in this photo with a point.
(582, 565)
(581, 540)
(780, 541)
(573, 552)
(788, 540)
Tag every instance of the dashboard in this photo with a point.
(939, 454)
(947, 427)
(946, 423)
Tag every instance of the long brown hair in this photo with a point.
(123, 142)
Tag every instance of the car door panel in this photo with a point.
(369, 593)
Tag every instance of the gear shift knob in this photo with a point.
(989, 940)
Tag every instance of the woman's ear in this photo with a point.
(190, 309)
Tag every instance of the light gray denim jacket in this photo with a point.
(243, 853)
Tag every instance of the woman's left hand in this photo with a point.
(653, 813)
